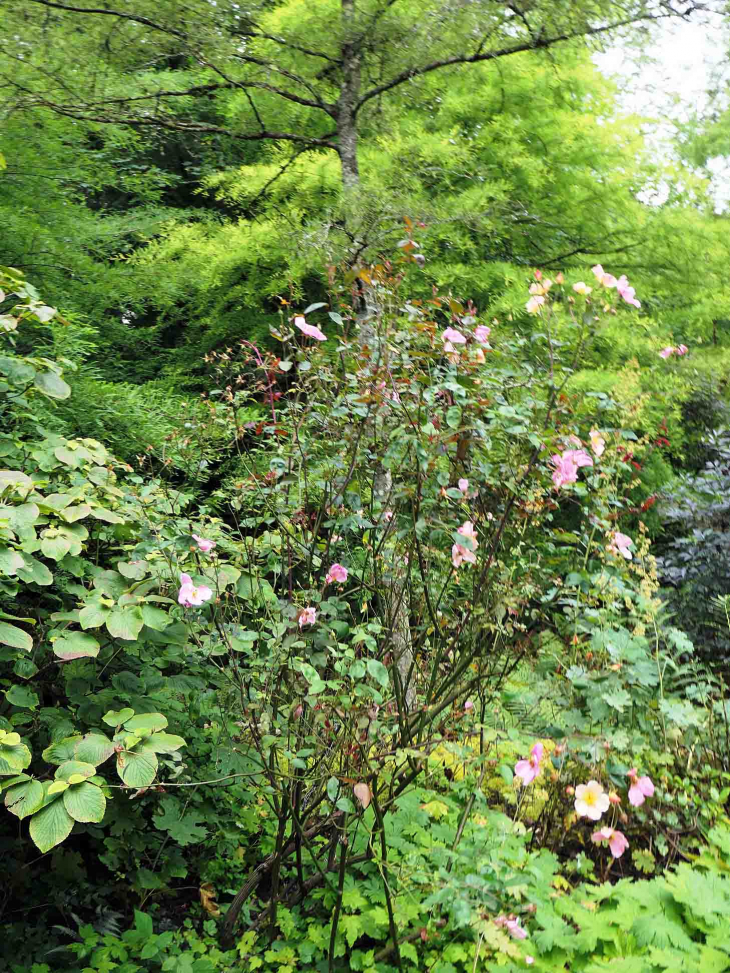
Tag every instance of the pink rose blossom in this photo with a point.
(311, 330)
(453, 337)
(582, 288)
(388, 515)
(666, 352)
(565, 470)
(640, 789)
(307, 617)
(482, 334)
(620, 544)
(512, 925)
(336, 573)
(463, 485)
(681, 349)
(191, 595)
(534, 304)
(616, 840)
(528, 770)
(529, 960)
(626, 292)
(607, 280)
(468, 705)
(578, 456)
(461, 554)
(204, 544)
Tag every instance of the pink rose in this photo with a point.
(528, 770)
(191, 595)
(616, 840)
(308, 616)
(309, 329)
(640, 789)
(204, 544)
(336, 573)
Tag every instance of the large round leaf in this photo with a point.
(161, 743)
(70, 767)
(85, 802)
(62, 750)
(94, 748)
(25, 798)
(76, 645)
(136, 769)
(14, 758)
(145, 721)
(125, 623)
(51, 825)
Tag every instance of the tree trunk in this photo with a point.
(347, 102)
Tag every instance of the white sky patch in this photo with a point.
(671, 80)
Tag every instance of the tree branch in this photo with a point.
(539, 43)
(145, 21)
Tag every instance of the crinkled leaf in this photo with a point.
(50, 826)
(136, 769)
(70, 767)
(13, 759)
(24, 799)
(85, 802)
(93, 748)
(61, 750)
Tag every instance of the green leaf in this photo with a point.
(50, 826)
(93, 748)
(76, 645)
(145, 721)
(14, 636)
(70, 767)
(379, 673)
(67, 456)
(161, 743)
(55, 545)
(14, 759)
(25, 798)
(57, 787)
(155, 618)
(35, 571)
(85, 802)
(10, 561)
(93, 616)
(53, 385)
(61, 750)
(136, 769)
(117, 717)
(101, 513)
(72, 514)
(22, 696)
(136, 570)
(125, 623)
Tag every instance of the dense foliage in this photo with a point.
(364, 588)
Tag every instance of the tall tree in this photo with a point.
(333, 60)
